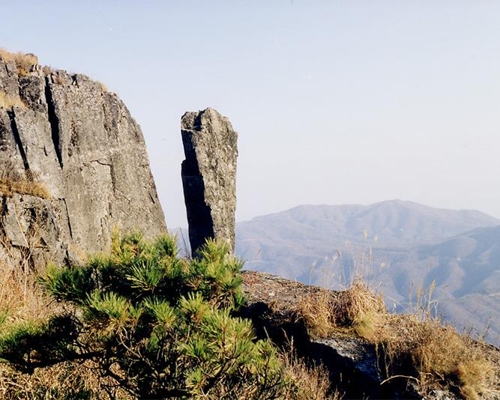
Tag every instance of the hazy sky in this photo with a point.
(335, 102)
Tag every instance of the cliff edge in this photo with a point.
(73, 165)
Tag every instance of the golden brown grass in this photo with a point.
(19, 296)
(21, 299)
(58, 79)
(9, 186)
(312, 383)
(63, 381)
(103, 87)
(24, 62)
(416, 346)
(357, 307)
(8, 102)
(317, 311)
(438, 356)
(46, 70)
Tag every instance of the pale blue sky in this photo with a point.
(335, 101)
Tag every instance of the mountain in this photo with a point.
(464, 271)
(290, 242)
(396, 246)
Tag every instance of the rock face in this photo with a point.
(79, 141)
(352, 363)
(209, 176)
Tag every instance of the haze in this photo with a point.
(336, 102)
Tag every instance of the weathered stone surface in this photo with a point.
(33, 232)
(209, 176)
(81, 143)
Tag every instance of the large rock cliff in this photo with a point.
(68, 135)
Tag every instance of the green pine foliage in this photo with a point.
(159, 325)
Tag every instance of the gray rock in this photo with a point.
(33, 233)
(209, 176)
(81, 143)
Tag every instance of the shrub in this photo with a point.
(157, 325)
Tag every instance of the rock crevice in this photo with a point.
(54, 122)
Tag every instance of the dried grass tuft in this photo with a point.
(8, 102)
(437, 356)
(359, 305)
(24, 62)
(104, 88)
(440, 351)
(318, 313)
(358, 308)
(20, 296)
(9, 186)
(312, 382)
(47, 70)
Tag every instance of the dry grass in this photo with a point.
(22, 300)
(313, 383)
(63, 381)
(437, 355)
(8, 102)
(24, 62)
(103, 87)
(20, 297)
(9, 186)
(358, 308)
(414, 346)
(46, 70)
(317, 311)
(58, 79)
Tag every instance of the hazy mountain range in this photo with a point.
(396, 246)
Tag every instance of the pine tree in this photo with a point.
(161, 326)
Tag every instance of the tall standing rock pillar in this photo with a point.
(209, 176)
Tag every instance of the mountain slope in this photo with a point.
(290, 242)
(397, 246)
(465, 271)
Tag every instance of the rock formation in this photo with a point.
(209, 176)
(358, 367)
(78, 141)
(352, 363)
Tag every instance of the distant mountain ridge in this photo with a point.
(396, 245)
(311, 232)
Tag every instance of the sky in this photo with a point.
(335, 101)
